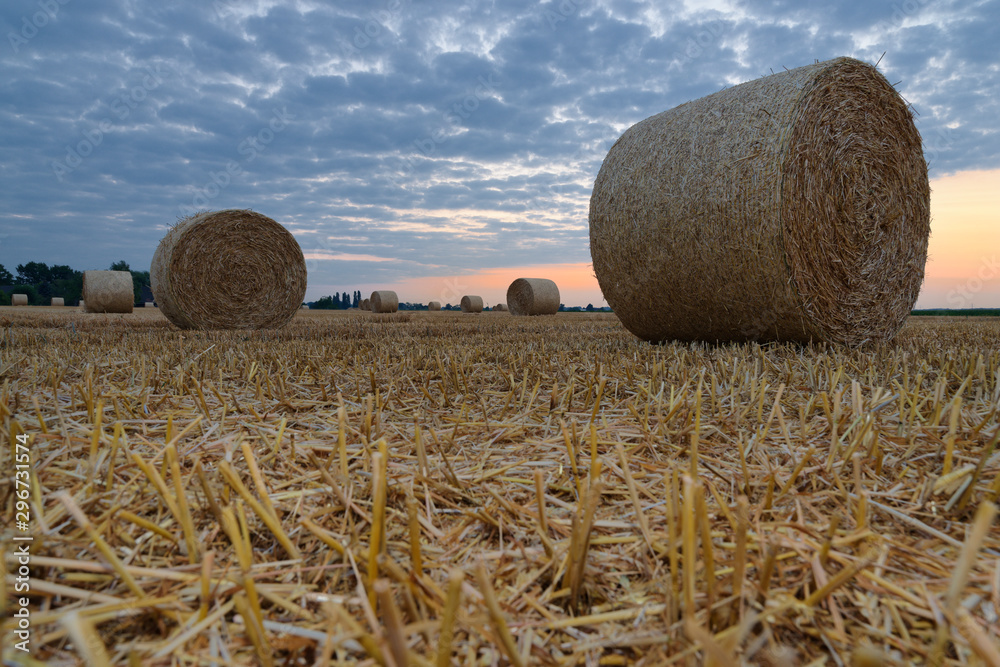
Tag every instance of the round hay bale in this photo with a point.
(788, 208)
(149, 304)
(500, 307)
(83, 306)
(19, 299)
(434, 305)
(472, 304)
(58, 301)
(365, 304)
(384, 301)
(533, 296)
(108, 291)
(232, 269)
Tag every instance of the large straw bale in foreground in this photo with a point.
(108, 291)
(19, 299)
(434, 305)
(791, 207)
(384, 301)
(233, 269)
(472, 304)
(533, 296)
(57, 301)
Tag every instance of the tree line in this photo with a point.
(40, 282)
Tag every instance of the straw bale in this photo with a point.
(58, 301)
(365, 304)
(472, 304)
(108, 291)
(434, 305)
(792, 207)
(149, 304)
(232, 269)
(83, 305)
(500, 307)
(19, 299)
(533, 296)
(384, 301)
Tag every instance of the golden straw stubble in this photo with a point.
(791, 207)
(232, 269)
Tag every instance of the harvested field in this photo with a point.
(418, 488)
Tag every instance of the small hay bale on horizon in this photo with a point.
(19, 299)
(231, 269)
(472, 304)
(793, 207)
(500, 307)
(57, 301)
(384, 301)
(108, 291)
(149, 304)
(365, 304)
(434, 305)
(533, 296)
(82, 305)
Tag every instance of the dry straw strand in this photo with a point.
(384, 301)
(533, 296)
(472, 304)
(232, 269)
(108, 291)
(791, 207)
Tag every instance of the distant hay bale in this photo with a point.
(19, 299)
(533, 296)
(58, 301)
(791, 207)
(500, 307)
(232, 269)
(149, 304)
(472, 304)
(365, 304)
(108, 291)
(83, 306)
(384, 301)
(434, 305)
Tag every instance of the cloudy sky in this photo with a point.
(438, 147)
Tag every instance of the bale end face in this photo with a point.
(472, 304)
(232, 269)
(533, 296)
(434, 305)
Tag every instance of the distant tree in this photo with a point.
(345, 300)
(325, 303)
(562, 307)
(4, 298)
(6, 277)
(119, 266)
(357, 299)
(590, 307)
(33, 273)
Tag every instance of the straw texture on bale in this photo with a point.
(58, 301)
(108, 291)
(232, 269)
(472, 304)
(434, 305)
(19, 299)
(384, 301)
(533, 296)
(792, 207)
